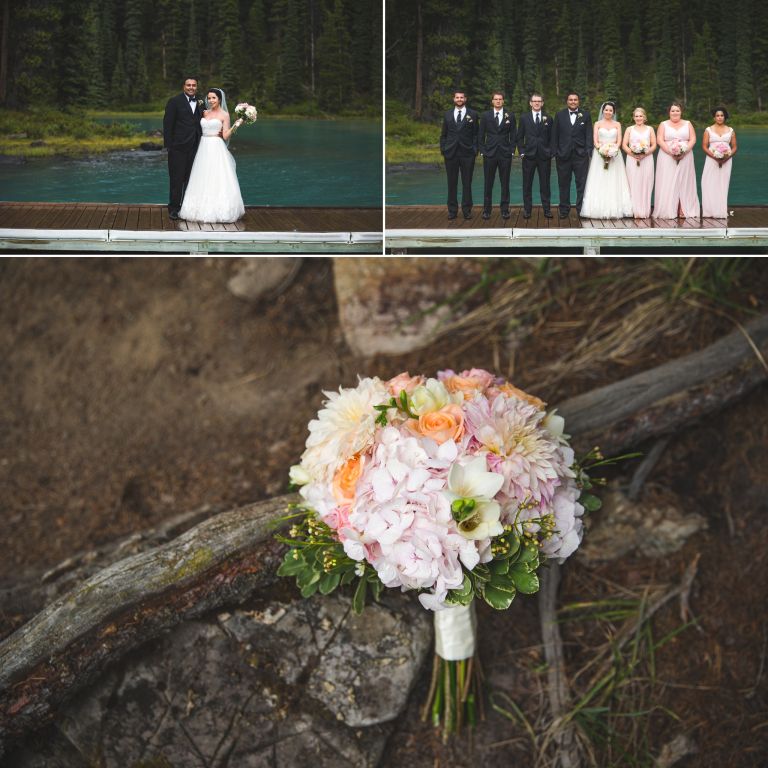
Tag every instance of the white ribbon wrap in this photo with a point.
(455, 632)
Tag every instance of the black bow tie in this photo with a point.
(573, 113)
(191, 98)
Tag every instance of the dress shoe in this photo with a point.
(562, 215)
(467, 214)
(548, 214)
(505, 214)
(451, 215)
(486, 215)
(526, 214)
(174, 215)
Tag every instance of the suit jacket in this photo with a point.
(459, 139)
(181, 126)
(497, 140)
(573, 139)
(534, 142)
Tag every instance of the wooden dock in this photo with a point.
(428, 227)
(148, 229)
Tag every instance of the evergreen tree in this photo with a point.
(288, 52)
(519, 100)
(702, 65)
(335, 60)
(565, 50)
(96, 88)
(581, 83)
(73, 56)
(255, 52)
(664, 79)
(118, 87)
(36, 79)
(134, 50)
(530, 48)
(192, 46)
(636, 67)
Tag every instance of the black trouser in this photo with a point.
(180, 160)
(466, 165)
(544, 167)
(490, 165)
(578, 165)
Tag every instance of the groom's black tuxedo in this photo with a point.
(181, 136)
(458, 145)
(572, 145)
(497, 145)
(533, 144)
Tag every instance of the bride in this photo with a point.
(606, 193)
(213, 193)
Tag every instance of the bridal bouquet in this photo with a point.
(456, 487)
(720, 149)
(639, 148)
(608, 151)
(246, 112)
(677, 148)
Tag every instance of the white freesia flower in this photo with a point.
(554, 424)
(433, 396)
(472, 482)
(343, 428)
(298, 475)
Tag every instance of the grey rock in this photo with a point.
(263, 277)
(267, 685)
(651, 528)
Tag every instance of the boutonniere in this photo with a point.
(580, 115)
(200, 104)
(469, 119)
(544, 119)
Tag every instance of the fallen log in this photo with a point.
(226, 558)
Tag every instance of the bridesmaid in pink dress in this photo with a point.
(675, 192)
(720, 140)
(640, 164)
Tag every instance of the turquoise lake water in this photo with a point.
(427, 185)
(279, 162)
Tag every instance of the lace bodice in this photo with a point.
(211, 127)
(680, 133)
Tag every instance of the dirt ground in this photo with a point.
(136, 389)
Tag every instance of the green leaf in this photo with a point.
(497, 598)
(347, 577)
(589, 502)
(309, 589)
(329, 582)
(481, 572)
(291, 566)
(504, 582)
(307, 576)
(358, 601)
(529, 555)
(498, 567)
(376, 588)
(525, 581)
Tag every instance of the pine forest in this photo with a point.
(703, 54)
(282, 55)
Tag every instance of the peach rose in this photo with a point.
(468, 382)
(345, 479)
(509, 389)
(404, 381)
(445, 424)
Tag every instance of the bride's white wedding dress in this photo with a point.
(606, 193)
(213, 194)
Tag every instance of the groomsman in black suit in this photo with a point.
(534, 137)
(497, 145)
(181, 136)
(458, 145)
(572, 146)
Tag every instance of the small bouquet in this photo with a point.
(608, 151)
(456, 487)
(677, 148)
(720, 150)
(246, 113)
(640, 147)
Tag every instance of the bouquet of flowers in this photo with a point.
(677, 148)
(640, 147)
(720, 149)
(246, 113)
(608, 151)
(456, 487)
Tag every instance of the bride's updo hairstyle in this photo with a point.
(610, 104)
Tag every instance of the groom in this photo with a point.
(181, 136)
(572, 144)
(458, 146)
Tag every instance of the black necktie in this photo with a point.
(498, 118)
(538, 120)
(458, 117)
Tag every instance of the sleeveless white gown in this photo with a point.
(213, 194)
(606, 193)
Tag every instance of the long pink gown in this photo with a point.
(676, 181)
(715, 180)
(640, 177)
